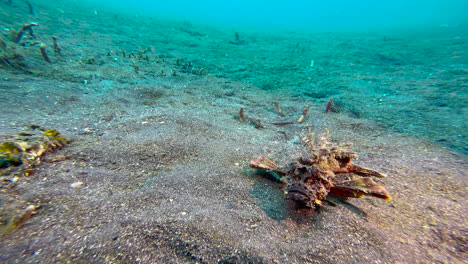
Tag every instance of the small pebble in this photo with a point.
(76, 184)
(14, 179)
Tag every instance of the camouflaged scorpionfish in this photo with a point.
(328, 170)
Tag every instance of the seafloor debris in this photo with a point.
(18, 220)
(20, 153)
(238, 40)
(328, 170)
(16, 36)
(57, 47)
(256, 122)
(304, 114)
(241, 115)
(278, 109)
(10, 55)
(330, 106)
(42, 48)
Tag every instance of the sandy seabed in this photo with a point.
(151, 109)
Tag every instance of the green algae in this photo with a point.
(21, 152)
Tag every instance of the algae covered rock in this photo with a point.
(20, 153)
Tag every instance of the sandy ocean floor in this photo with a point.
(151, 109)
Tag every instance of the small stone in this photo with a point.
(14, 179)
(76, 184)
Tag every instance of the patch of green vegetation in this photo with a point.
(10, 148)
(19, 154)
(54, 134)
(9, 155)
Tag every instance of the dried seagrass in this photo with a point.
(328, 170)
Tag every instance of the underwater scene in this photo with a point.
(233, 131)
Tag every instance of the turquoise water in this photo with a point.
(308, 15)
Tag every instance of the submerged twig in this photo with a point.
(330, 106)
(278, 108)
(258, 124)
(42, 48)
(16, 36)
(57, 48)
(304, 114)
(30, 6)
(136, 68)
(282, 123)
(241, 115)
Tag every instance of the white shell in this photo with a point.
(76, 184)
